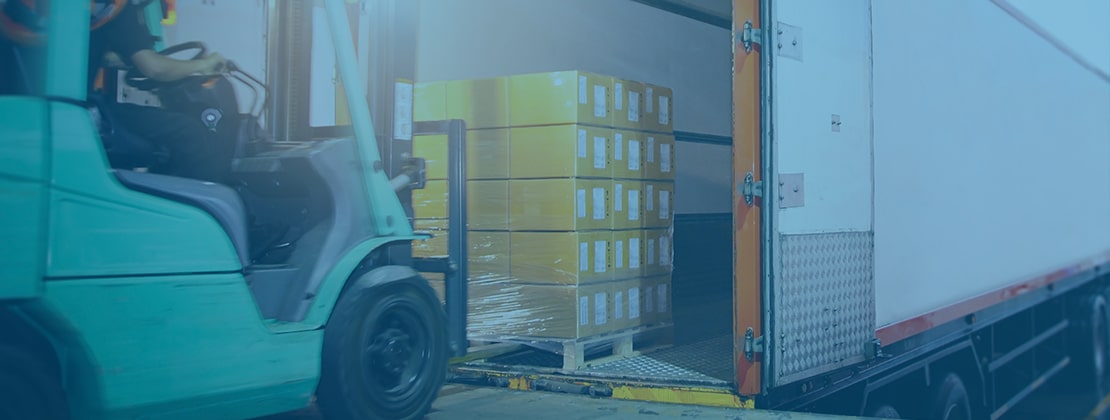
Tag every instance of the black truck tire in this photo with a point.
(1090, 339)
(384, 353)
(28, 390)
(950, 399)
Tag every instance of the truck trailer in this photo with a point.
(870, 214)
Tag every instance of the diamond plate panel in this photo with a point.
(824, 308)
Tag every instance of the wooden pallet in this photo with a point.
(574, 350)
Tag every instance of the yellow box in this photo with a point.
(658, 156)
(482, 103)
(433, 149)
(541, 311)
(430, 202)
(568, 97)
(488, 255)
(488, 204)
(627, 161)
(628, 101)
(625, 207)
(658, 204)
(560, 151)
(487, 154)
(658, 253)
(625, 298)
(658, 109)
(429, 101)
(627, 247)
(559, 204)
(569, 258)
(656, 300)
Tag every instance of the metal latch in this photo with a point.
(750, 35)
(751, 189)
(752, 344)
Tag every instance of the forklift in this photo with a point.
(133, 294)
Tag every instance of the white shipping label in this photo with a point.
(599, 101)
(651, 251)
(649, 299)
(584, 310)
(664, 110)
(600, 253)
(634, 253)
(582, 144)
(665, 157)
(620, 254)
(599, 204)
(633, 155)
(618, 305)
(650, 197)
(402, 113)
(662, 298)
(648, 101)
(634, 106)
(599, 152)
(618, 96)
(664, 251)
(633, 204)
(584, 257)
(651, 149)
(618, 151)
(600, 314)
(664, 204)
(633, 303)
(618, 191)
(583, 94)
(581, 198)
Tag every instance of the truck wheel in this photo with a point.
(950, 400)
(1092, 344)
(883, 411)
(385, 352)
(28, 390)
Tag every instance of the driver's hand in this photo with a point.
(213, 64)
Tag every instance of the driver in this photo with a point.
(195, 151)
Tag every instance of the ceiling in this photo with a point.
(713, 12)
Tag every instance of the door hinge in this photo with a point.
(751, 189)
(750, 35)
(752, 344)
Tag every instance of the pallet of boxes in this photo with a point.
(570, 201)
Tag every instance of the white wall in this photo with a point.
(488, 38)
(992, 155)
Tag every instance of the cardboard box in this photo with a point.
(433, 149)
(434, 247)
(656, 300)
(430, 202)
(488, 205)
(627, 251)
(658, 204)
(564, 258)
(488, 254)
(628, 103)
(658, 253)
(568, 97)
(482, 103)
(626, 205)
(559, 204)
(429, 101)
(625, 298)
(488, 153)
(541, 311)
(659, 156)
(658, 109)
(627, 151)
(560, 151)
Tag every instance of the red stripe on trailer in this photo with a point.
(901, 330)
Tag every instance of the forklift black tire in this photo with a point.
(950, 399)
(28, 389)
(385, 351)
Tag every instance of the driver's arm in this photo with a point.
(166, 69)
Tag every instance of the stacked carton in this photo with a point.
(570, 198)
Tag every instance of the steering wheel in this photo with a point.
(141, 81)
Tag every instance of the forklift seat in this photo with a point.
(220, 201)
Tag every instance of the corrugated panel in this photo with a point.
(824, 303)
